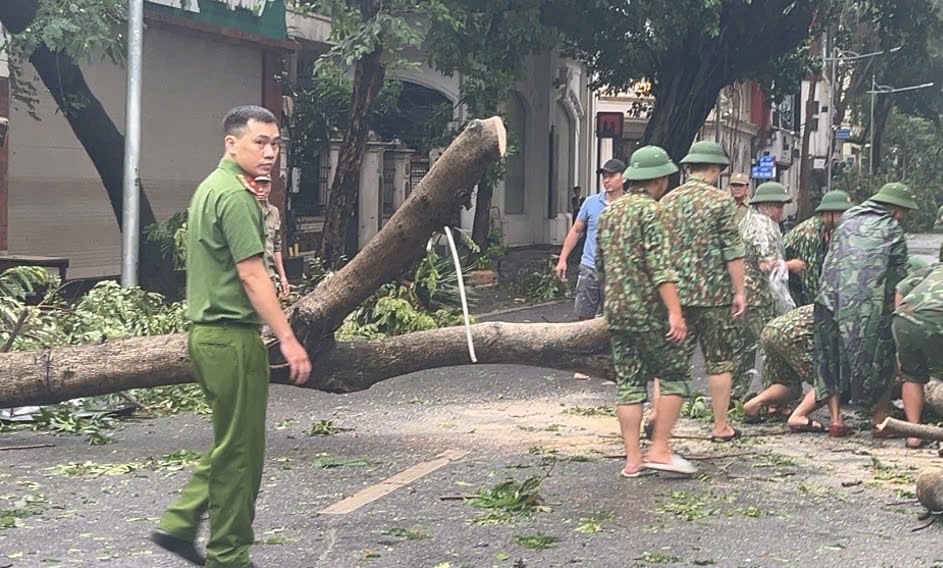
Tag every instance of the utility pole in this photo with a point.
(131, 189)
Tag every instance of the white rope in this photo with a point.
(461, 291)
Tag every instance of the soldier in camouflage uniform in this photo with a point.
(918, 332)
(788, 342)
(854, 348)
(708, 253)
(808, 243)
(766, 275)
(273, 237)
(938, 226)
(640, 303)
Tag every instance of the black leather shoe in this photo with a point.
(183, 548)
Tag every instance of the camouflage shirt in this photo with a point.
(764, 244)
(923, 298)
(807, 241)
(633, 259)
(273, 235)
(705, 238)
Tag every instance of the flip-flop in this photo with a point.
(727, 439)
(810, 427)
(836, 431)
(757, 418)
(640, 472)
(677, 465)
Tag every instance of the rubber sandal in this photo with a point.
(640, 472)
(727, 439)
(757, 418)
(836, 431)
(810, 427)
(677, 465)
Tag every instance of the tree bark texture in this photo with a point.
(930, 489)
(688, 83)
(904, 428)
(402, 239)
(882, 110)
(95, 130)
(56, 375)
(482, 224)
(42, 377)
(339, 236)
(804, 203)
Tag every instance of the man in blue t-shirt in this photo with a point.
(588, 288)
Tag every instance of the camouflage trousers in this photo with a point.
(639, 357)
(788, 344)
(920, 353)
(718, 334)
(754, 321)
(858, 369)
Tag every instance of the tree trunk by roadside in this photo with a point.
(882, 110)
(46, 377)
(804, 203)
(95, 130)
(339, 237)
(684, 99)
(63, 373)
(482, 224)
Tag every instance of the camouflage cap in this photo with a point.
(897, 194)
(706, 152)
(771, 192)
(739, 178)
(835, 200)
(915, 263)
(649, 162)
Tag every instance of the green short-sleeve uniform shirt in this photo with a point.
(224, 228)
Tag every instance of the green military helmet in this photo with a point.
(835, 200)
(770, 192)
(649, 162)
(915, 263)
(896, 193)
(706, 152)
(938, 224)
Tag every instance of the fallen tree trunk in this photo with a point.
(930, 489)
(402, 239)
(46, 377)
(923, 431)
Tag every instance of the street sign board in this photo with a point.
(609, 124)
(765, 168)
(842, 133)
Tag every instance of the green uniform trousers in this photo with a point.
(231, 366)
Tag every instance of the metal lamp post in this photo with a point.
(874, 92)
(131, 189)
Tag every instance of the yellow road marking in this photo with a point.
(391, 484)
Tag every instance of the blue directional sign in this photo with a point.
(842, 133)
(765, 168)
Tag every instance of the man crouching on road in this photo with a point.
(643, 312)
(229, 297)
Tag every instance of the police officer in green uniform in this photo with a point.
(229, 297)
(708, 253)
(640, 303)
